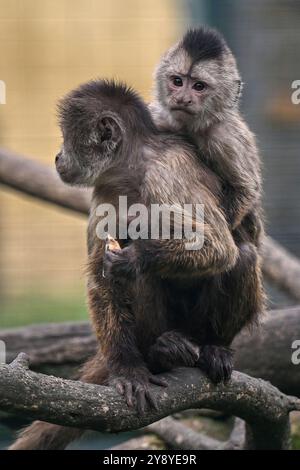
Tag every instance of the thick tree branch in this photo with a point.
(53, 343)
(70, 344)
(70, 403)
(40, 181)
(281, 267)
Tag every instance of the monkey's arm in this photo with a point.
(176, 258)
(231, 150)
(110, 302)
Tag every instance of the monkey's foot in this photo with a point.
(134, 385)
(216, 362)
(173, 349)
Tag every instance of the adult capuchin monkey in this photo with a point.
(197, 88)
(155, 307)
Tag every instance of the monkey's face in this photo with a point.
(196, 91)
(91, 140)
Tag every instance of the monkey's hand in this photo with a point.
(118, 264)
(134, 385)
(216, 362)
(173, 349)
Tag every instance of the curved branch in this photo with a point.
(272, 350)
(281, 267)
(40, 181)
(179, 436)
(70, 344)
(87, 406)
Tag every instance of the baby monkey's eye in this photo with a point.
(177, 81)
(199, 86)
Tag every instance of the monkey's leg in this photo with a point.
(113, 304)
(232, 302)
(41, 435)
(172, 349)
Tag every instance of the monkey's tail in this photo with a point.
(45, 436)
(42, 436)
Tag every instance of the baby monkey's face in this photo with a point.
(186, 94)
(191, 90)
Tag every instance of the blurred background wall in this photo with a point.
(48, 47)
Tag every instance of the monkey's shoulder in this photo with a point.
(232, 132)
(176, 165)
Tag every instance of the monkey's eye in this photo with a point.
(177, 81)
(199, 86)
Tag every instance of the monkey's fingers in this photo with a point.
(111, 256)
(217, 362)
(140, 400)
(120, 387)
(181, 350)
(124, 387)
(145, 399)
(194, 350)
(129, 394)
(154, 379)
(151, 399)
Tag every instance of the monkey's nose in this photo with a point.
(184, 102)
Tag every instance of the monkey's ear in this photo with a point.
(109, 132)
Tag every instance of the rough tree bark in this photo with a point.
(264, 353)
(40, 181)
(264, 408)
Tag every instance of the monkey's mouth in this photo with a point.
(67, 176)
(182, 110)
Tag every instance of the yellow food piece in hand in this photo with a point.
(112, 244)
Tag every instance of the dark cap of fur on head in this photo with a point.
(203, 43)
(99, 95)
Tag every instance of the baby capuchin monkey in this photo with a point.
(197, 88)
(156, 307)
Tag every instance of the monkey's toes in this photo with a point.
(136, 390)
(216, 362)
